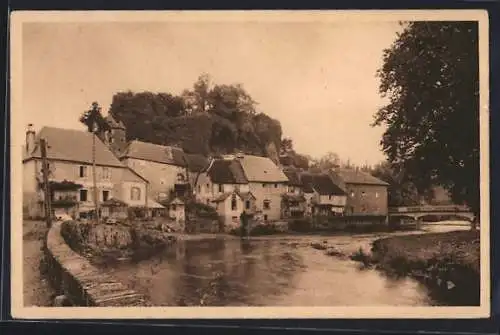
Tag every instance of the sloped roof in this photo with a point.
(73, 145)
(353, 176)
(321, 183)
(154, 153)
(246, 195)
(261, 169)
(196, 162)
(227, 172)
(224, 196)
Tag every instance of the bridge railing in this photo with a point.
(429, 209)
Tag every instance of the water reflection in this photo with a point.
(260, 273)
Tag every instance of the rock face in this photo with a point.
(98, 239)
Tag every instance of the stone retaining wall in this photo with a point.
(80, 281)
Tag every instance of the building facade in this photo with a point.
(325, 197)
(267, 182)
(163, 166)
(70, 160)
(224, 186)
(366, 195)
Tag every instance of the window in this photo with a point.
(135, 193)
(83, 171)
(106, 173)
(267, 204)
(221, 188)
(173, 207)
(376, 194)
(352, 194)
(363, 194)
(234, 204)
(330, 197)
(247, 204)
(265, 217)
(105, 195)
(199, 188)
(263, 185)
(275, 185)
(83, 195)
(208, 186)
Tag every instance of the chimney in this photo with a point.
(30, 139)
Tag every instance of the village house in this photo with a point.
(70, 160)
(294, 203)
(267, 183)
(224, 186)
(324, 196)
(163, 166)
(167, 168)
(366, 195)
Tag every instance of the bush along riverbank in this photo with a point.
(102, 242)
(447, 263)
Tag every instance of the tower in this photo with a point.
(116, 137)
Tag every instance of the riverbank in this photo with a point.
(37, 290)
(448, 263)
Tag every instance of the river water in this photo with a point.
(265, 272)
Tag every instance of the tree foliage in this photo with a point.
(430, 75)
(93, 119)
(208, 118)
(401, 192)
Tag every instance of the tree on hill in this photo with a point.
(93, 119)
(208, 118)
(430, 75)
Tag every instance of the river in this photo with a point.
(266, 271)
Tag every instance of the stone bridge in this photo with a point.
(418, 212)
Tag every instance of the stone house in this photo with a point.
(167, 168)
(366, 195)
(163, 166)
(229, 206)
(267, 182)
(224, 186)
(69, 155)
(325, 197)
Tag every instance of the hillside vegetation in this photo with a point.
(208, 119)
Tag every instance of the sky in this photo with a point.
(317, 78)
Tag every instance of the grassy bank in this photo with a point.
(448, 263)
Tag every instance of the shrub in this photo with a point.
(201, 210)
(300, 225)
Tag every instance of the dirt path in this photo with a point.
(36, 288)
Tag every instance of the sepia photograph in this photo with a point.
(311, 164)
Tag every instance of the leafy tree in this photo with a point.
(286, 145)
(204, 119)
(93, 119)
(400, 191)
(329, 161)
(430, 75)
